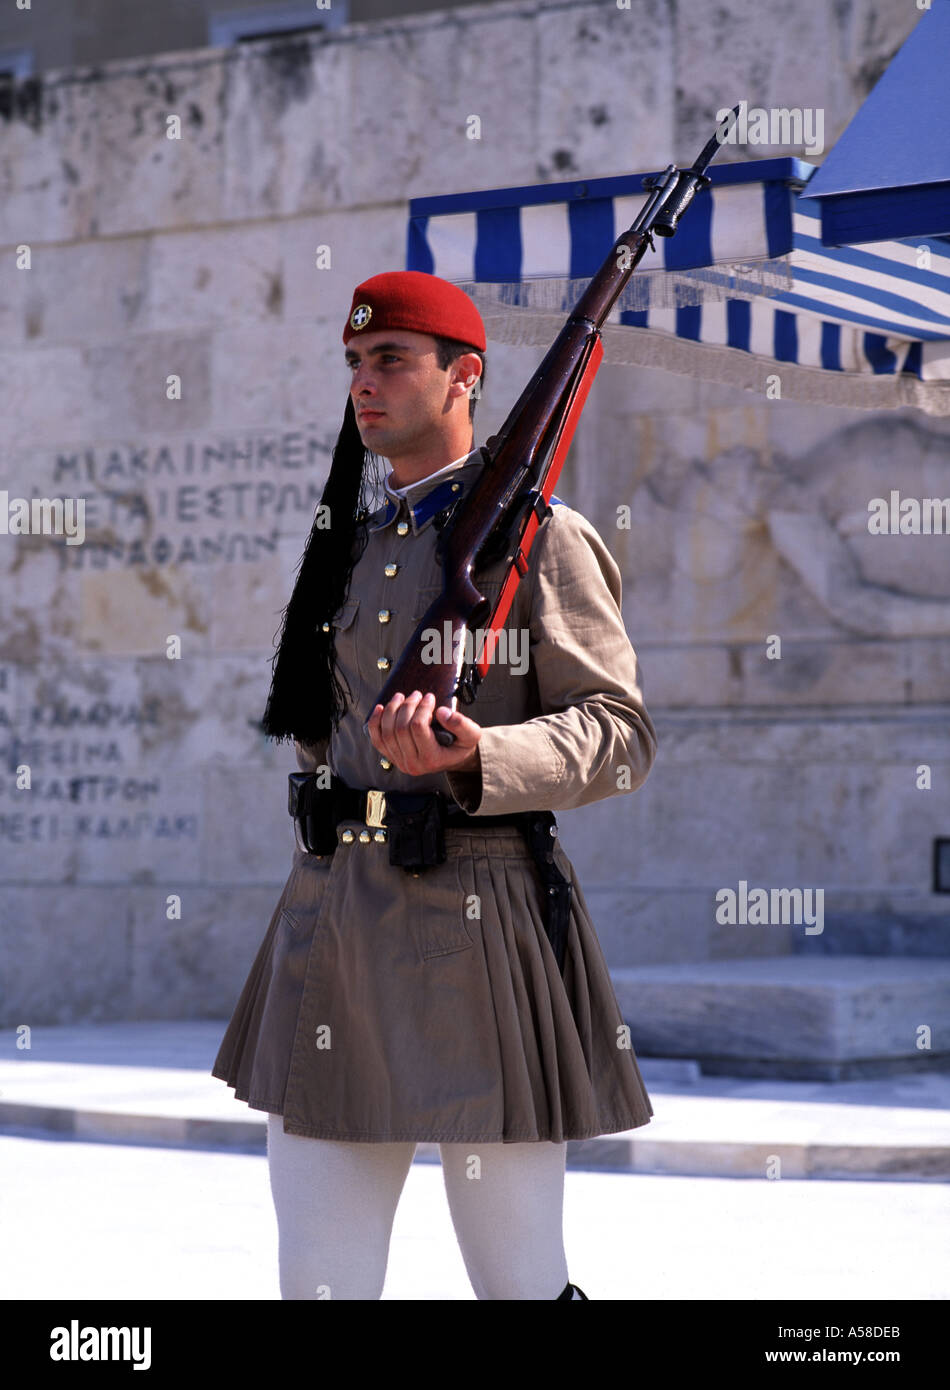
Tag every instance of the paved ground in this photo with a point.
(679, 1209)
(102, 1221)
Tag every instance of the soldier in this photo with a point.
(455, 995)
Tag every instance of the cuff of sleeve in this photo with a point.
(519, 765)
(466, 787)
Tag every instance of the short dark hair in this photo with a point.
(449, 350)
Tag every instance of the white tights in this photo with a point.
(335, 1205)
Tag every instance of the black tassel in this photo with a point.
(306, 700)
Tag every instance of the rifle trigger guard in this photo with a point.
(468, 685)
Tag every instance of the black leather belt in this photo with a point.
(414, 824)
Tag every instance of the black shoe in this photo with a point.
(569, 1290)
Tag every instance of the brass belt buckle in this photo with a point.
(376, 808)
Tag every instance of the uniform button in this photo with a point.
(326, 627)
(402, 527)
(384, 762)
(382, 663)
(391, 571)
(347, 837)
(380, 835)
(384, 615)
(365, 837)
(456, 486)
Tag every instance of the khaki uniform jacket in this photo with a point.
(383, 1006)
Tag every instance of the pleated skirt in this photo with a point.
(385, 1007)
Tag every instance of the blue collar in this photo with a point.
(421, 504)
(426, 504)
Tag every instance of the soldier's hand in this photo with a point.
(402, 732)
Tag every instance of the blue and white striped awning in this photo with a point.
(888, 176)
(743, 292)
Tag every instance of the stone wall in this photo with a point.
(195, 258)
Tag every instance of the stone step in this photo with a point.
(149, 1083)
(801, 1017)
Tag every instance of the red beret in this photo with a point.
(416, 301)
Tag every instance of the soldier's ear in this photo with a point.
(467, 370)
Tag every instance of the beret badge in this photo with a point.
(360, 316)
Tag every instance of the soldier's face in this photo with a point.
(400, 393)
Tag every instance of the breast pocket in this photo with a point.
(423, 601)
(346, 633)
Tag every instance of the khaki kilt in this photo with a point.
(416, 1018)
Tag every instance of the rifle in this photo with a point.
(509, 499)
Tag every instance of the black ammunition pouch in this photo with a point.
(415, 829)
(312, 808)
